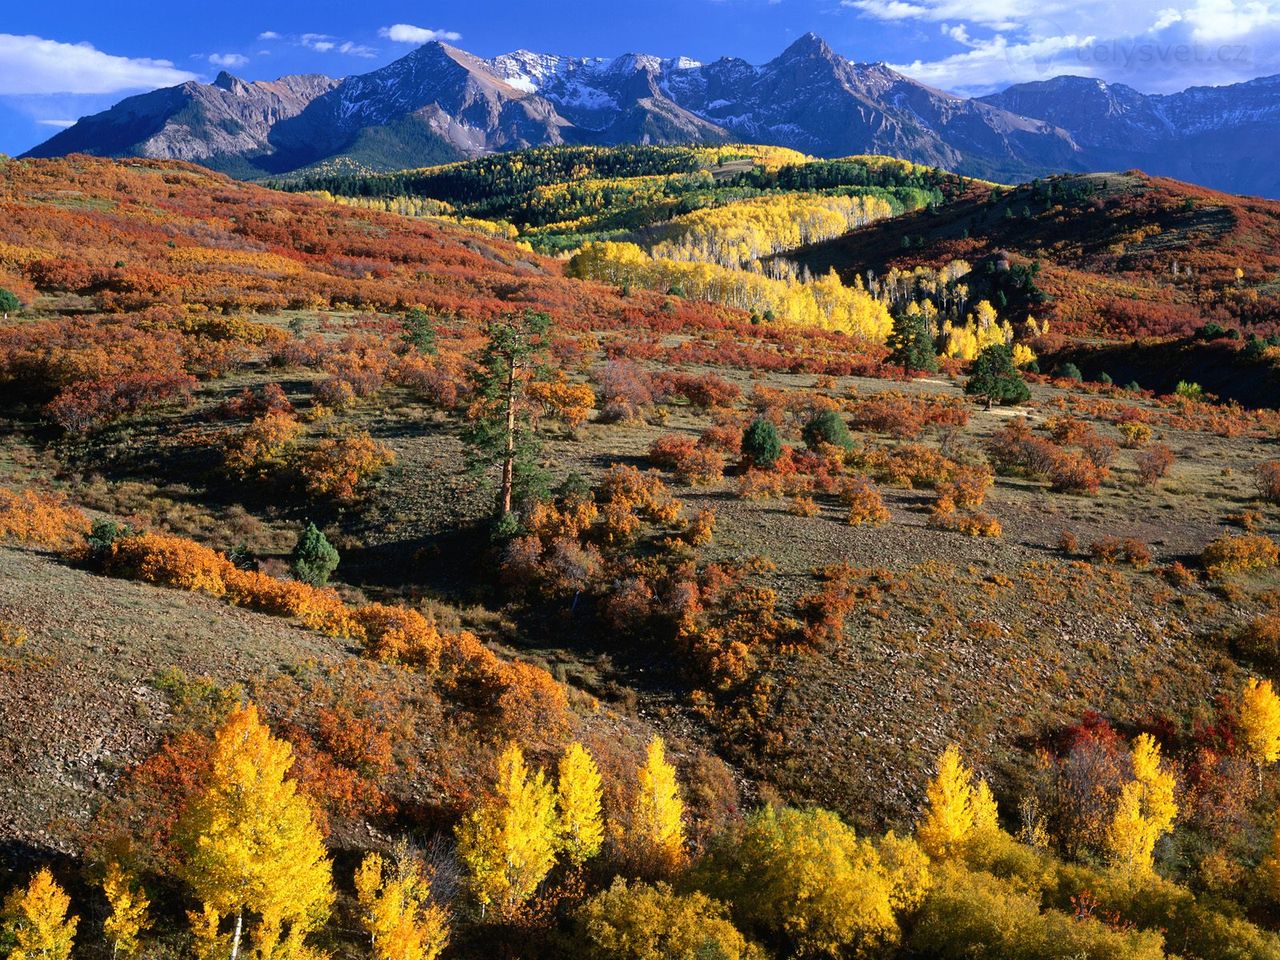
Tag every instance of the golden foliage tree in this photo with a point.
(1260, 721)
(396, 909)
(578, 805)
(128, 918)
(36, 921)
(642, 922)
(805, 877)
(252, 844)
(657, 818)
(508, 843)
(958, 811)
(1145, 811)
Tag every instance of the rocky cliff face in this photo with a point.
(205, 123)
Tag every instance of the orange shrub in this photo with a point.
(1259, 640)
(548, 522)
(702, 467)
(43, 520)
(335, 393)
(905, 416)
(970, 524)
(1075, 473)
(170, 561)
(667, 451)
(644, 492)
(1234, 553)
(570, 402)
(761, 485)
(262, 444)
(802, 506)
(398, 634)
(1068, 431)
(864, 502)
(725, 437)
(968, 486)
(1015, 448)
(701, 529)
(316, 608)
(910, 466)
(337, 466)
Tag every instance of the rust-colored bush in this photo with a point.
(1113, 550)
(1266, 478)
(1154, 463)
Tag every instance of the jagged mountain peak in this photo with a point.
(809, 45)
(439, 102)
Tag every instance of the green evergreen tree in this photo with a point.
(827, 427)
(8, 302)
(503, 433)
(761, 446)
(911, 345)
(314, 557)
(420, 332)
(994, 377)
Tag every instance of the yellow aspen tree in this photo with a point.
(36, 921)
(128, 918)
(578, 801)
(1260, 722)
(986, 815)
(508, 843)
(949, 819)
(208, 943)
(657, 820)
(1145, 812)
(396, 909)
(251, 842)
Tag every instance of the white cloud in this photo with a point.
(1154, 45)
(996, 62)
(999, 14)
(1215, 20)
(357, 49)
(408, 33)
(228, 59)
(323, 43)
(57, 123)
(269, 35)
(33, 65)
(319, 42)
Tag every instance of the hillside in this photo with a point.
(751, 565)
(558, 199)
(1121, 255)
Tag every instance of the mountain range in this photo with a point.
(440, 103)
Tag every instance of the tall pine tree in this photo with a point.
(503, 433)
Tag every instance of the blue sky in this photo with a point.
(63, 59)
